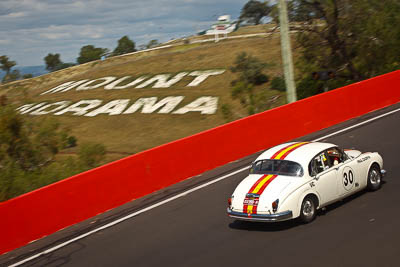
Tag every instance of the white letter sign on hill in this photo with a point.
(90, 108)
(111, 108)
(159, 81)
(78, 111)
(114, 84)
(162, 80)
(64, 87)
(86, 86)
(205, 104)
(202, 75)
(146, 105)
(150, 105)
(58, 106)
(29, 107)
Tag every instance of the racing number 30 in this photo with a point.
(348, 178)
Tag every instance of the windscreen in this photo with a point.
(278, 167)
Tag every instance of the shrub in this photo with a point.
(91, 154)
(278, 83)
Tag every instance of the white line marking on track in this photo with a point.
(356, 125)
(128, 217)
(178, 196)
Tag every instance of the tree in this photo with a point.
(64, 66)
(296, 12)
(253, 11)
(125, 45)
(244, 88)
(6, 64)
(52, 61)
(152, 43)
(27, 146)
(250, 69)
(90, 53)
(278, 83)
(350, 38)
(27, 153)
(12, 76)
(15, 145)
(27, 76)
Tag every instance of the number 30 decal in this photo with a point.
(348, 178)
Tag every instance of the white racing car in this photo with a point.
(295, 179)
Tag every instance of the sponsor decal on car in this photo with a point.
(363, 159)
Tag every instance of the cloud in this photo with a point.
(30, 29)
(14, 15)
(3, 42)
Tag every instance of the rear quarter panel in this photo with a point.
(294, 199)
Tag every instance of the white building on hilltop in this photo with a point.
(223, 26)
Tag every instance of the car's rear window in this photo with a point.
(278, 167)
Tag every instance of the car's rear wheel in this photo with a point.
(374, 181)
(308, 210)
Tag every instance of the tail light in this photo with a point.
(275, 205)
(230, 201)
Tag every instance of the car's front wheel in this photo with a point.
(374, 181)
(308, 210)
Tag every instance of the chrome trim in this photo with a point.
(252, 195)
(383, 173)
(280, 216)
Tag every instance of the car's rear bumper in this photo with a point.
(383, 173)
(276, 217)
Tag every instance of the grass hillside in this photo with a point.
(130, 133)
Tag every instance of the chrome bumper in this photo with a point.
(281, 216)
(383, 173)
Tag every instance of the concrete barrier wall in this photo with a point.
(46, 210)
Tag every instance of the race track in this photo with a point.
(363, 230)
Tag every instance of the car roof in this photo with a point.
(302, 154)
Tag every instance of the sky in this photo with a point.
(30, 29)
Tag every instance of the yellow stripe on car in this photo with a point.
(258, 187)
(250, 209)
(289, 148)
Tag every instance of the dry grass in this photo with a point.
(136, 132)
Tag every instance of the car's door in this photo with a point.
(349, 176)
(326, 178)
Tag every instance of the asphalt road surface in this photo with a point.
(194, 230)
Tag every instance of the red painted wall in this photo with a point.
(44, 211)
